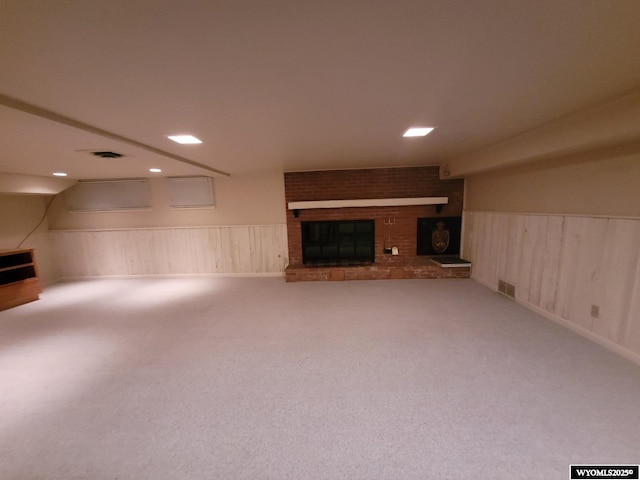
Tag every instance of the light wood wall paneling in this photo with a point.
(253, 249)
(514, 247)
(552, 249)
(563, 265)
(631, 329)
(619, 270)
(530, 264)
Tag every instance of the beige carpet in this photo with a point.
(211, 378)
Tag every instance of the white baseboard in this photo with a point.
(606, 343)
(482, 282)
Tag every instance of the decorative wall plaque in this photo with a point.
(439, 235)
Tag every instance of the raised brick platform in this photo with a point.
(422, 268)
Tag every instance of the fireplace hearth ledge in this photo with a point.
(451, 261)
(422, 268)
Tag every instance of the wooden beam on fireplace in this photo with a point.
(368, 202)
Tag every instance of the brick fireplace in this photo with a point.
(395, 227)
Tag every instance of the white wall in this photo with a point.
(32, 184)
(567, 238)
(607, 187)
(19, 214)
(240, 200)
(244, 234)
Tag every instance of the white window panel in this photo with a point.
(191, 192)
(109, 195)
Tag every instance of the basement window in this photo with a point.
(109, 195)
(191, 192)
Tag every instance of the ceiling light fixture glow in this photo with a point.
(59, 174)
(184, 139)
(418, 131)
(155, 170)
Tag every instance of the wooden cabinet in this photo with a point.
(19, 281)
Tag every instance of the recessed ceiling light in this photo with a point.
(184, 139)
(155, 170)
(417, 131)
(59, 174)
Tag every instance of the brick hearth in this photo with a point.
(423, 268)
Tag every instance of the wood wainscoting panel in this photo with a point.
(244, 249)
(563, 265)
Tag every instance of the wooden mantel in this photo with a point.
(368, 202)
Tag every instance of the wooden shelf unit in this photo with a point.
(19, 281)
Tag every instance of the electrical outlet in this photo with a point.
(595, 311)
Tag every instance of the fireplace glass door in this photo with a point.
(344, 242)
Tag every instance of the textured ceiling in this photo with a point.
(298, 85)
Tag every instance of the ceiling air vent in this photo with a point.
(107, 154)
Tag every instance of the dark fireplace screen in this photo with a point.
(340, 242)
(439, 235)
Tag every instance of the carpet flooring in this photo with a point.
(254, 378)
